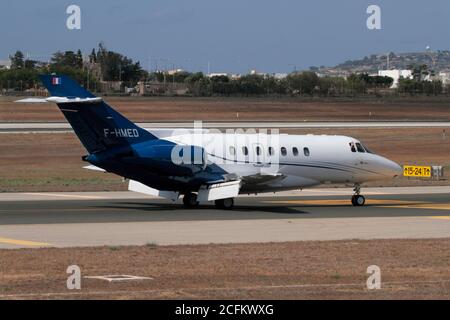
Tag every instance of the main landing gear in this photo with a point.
(190, 200)
(357, 199)
(225, 203)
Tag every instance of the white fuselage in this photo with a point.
(267, 163)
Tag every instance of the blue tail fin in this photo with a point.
(98, 126)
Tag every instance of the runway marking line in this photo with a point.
(24, 242)
(343, 192)
(397, 204)
(441, 217)
(61, 195)
(344, 202)
(425, 206)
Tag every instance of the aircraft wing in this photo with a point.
(263, 178)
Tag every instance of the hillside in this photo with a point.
(437, 61)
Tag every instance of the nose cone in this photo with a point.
(392, 169)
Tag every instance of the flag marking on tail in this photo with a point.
(56, 81)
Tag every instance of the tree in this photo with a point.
(434, 87)
(93, 57)
(419, 72)
(116, 67)
(17, 60)
(374, 81)
(251, 84)
(30, 64)
(410, 86)
(194, 77)
(303, 83)
(80, 58)
(68, 59)
(356, 84)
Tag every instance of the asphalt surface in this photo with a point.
(95, 220)
(65, 127)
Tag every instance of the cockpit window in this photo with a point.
(352, 146)
(367, 149)
(360, 148)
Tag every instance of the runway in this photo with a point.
(35, 127)
(115, 219)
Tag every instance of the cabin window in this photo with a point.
(295, 151)
(245, 151)
(306, 152)
(352, 146)
(283, 151)
(360, 148)
(258, 151)
(232, 151)
(271, 151)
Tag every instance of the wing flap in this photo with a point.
(142, 188)
(219, 191)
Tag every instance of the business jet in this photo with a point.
(201, 166)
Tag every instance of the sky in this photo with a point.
(229, 36)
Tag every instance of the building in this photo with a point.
(445, 78)
(396, 75)
(280, 76)
(5, 64)
(217, 74)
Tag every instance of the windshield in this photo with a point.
(367, 149)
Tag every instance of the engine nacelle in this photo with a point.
(174, 159)
(177, 154)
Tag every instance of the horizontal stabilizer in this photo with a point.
(60, 100)
(94, 168)
(32, 100)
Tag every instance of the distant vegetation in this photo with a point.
(102, 67)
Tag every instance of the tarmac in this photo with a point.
(34, 220)
(53, 127)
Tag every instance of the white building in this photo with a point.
(280, 76)
(174, 71)
(217, 74)
(5, 64)
(445, 78)
(396, 75)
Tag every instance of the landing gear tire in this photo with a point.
(358, 200)
(225, 203)
(190, 200)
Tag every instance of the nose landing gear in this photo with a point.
(357, 199)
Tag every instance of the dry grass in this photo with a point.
(411, 269)
(249, 109)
